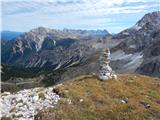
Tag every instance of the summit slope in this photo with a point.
(130, 97)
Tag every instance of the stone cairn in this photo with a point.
(106, 72)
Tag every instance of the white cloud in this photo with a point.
(69, 13)
(59, 6)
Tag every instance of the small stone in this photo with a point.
(59, 85)
(124, 100)
(69, 101)
(5, 93)
(145, 104)
(81, 100)
(114, 76)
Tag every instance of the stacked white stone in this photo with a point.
(106, 72)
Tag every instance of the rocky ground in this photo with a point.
(24, 104)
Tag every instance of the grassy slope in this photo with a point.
(102, 99)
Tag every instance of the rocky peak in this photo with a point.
(149, 19)
(142, 40)
(141, 34)
(41, 30)
(34, 38)
(87, 33)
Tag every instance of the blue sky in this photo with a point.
(113, 15)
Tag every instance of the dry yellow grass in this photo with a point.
(131, 97)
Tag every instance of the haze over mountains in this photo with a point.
(76, 52)
(9, 35)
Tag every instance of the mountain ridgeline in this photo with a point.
(43, 47)
(143, 39)
(76, 52)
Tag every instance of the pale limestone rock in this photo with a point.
(26, 103)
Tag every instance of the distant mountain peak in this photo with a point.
(41, 29)
(150, 18)
(153, 14)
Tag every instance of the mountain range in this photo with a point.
(29, 49)
(70, 53)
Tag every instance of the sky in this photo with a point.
(112, 15)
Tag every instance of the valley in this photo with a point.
(43, 54)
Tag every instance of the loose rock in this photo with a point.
(24, 104)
